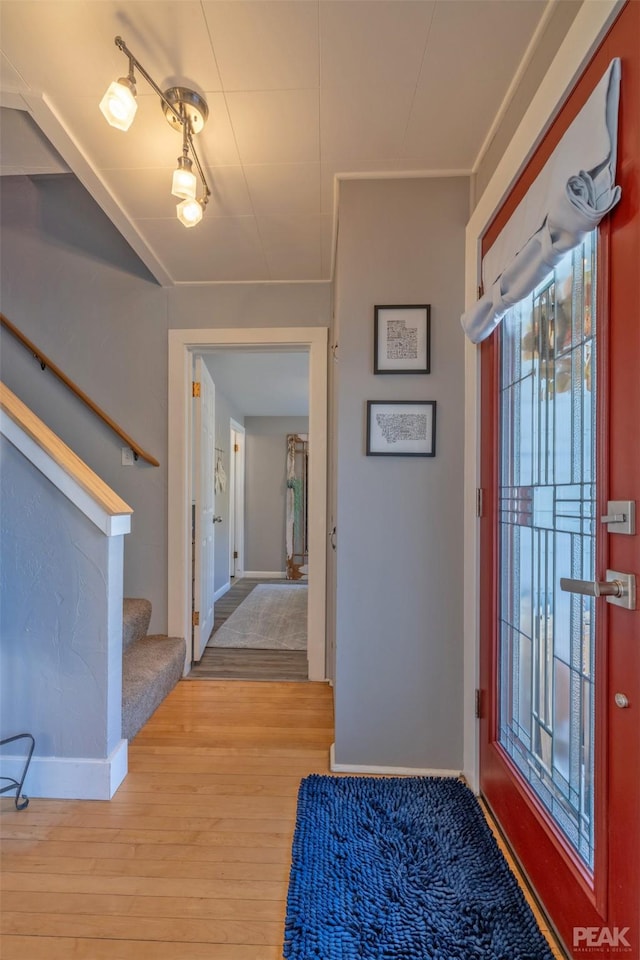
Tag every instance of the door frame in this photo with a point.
(236, 504)
(575, 52)
(202, 460)
(182, 344)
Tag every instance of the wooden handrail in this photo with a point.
(45, 362)
(57, 449)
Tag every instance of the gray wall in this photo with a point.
(60, 655)
(398, 686)
(74, 287)
(266, 490)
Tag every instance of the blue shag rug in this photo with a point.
(401, 869)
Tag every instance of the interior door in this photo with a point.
(204, 504)
(560, 671)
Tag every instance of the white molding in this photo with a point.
(112, 525)
(118, 525)
(236, 484)
(265, 574)
(182, 344)
(74, 778)
(220, 592)
(388, 771)
(587, 30)
(417, 174)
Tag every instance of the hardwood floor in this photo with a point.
(226, 663)
(191, 857)
(190, 860)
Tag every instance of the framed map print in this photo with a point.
(401, 428)
(402, 339)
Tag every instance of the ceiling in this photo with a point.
(301, 93)
(261, 383)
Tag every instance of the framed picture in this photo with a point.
(401, 428)
(402, 339)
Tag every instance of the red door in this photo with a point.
(563, 779)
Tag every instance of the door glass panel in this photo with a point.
(547, 531)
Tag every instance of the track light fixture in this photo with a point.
(185, 110)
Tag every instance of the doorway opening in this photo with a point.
(259, 630)
(184, 345)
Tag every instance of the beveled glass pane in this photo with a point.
(547, 531)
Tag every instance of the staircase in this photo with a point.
(151, 666)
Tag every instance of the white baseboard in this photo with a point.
(72, 778)
(387, 771)
(266, 574)
(221, 592)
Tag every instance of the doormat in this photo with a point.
(401, 869)
(273, 617)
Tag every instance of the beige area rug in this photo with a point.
(273, 617)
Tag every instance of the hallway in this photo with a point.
(246, 663)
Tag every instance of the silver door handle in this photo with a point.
(618, 588)
(593, 588)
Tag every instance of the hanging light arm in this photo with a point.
(207, 192)
(169, 107)
(133, 61)
(185, 133)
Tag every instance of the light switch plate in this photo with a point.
(127, 457)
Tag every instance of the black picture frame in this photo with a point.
(402, 339)
(401, 428)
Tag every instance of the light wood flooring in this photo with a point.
(190, 860)
(227, 663)
(191, 857)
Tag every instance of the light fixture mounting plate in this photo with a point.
(191, 104)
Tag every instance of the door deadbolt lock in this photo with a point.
(620, 517)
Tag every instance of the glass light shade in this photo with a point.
(119, 103)
(189, 212)
(184, 181)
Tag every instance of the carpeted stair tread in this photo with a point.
(151, 667)
(136, 616)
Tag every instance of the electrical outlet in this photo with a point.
(127, 457)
